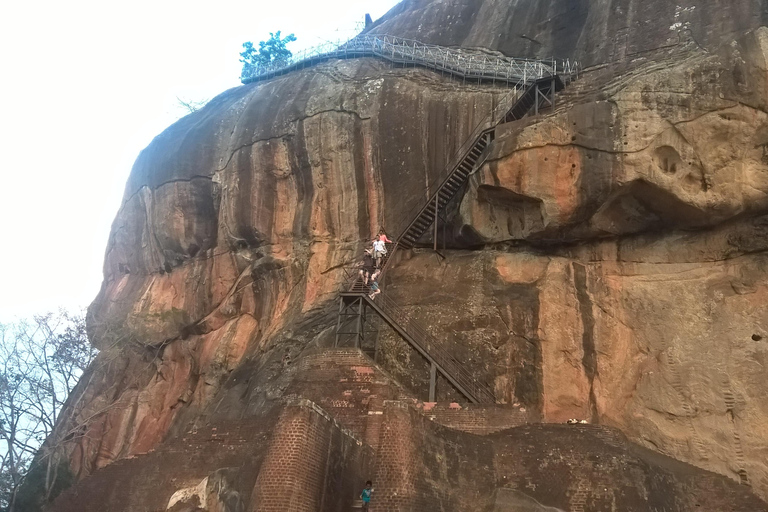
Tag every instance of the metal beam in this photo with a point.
(437, 195)
(359, 337)
(407, 337)
(338, 322)
(432, 381)
(552, 90)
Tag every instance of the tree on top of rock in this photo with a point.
(270, 52)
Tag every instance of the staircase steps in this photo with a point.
(529, 97)
(469, 159)
(433, 350)
(472, 160)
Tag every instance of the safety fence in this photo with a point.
(458, 62)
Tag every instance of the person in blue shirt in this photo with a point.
(375, 290)
(366, 494)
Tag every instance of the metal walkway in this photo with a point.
(460, 63)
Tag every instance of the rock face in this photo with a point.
(608, 262)
(594, 32)
(310, 456)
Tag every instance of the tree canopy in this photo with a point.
(271, 51)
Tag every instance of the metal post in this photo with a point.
(554, 89)
(432, 381)
(536, 99)
(437, 196)
(359, 337)
(338, 322)
(444, 223)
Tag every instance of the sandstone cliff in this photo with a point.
(607, 262)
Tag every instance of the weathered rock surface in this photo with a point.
(594, 32)
(674, 144)
(608, 262)
(363, 425)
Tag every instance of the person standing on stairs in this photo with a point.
(366, 494)
(368, 268)
(375, 290)
(380, 247)
(383, 237)
(379, 251)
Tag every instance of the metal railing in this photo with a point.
(522, 74)
(462, 63)
(494, 117)
(439, 351)
(442, 352)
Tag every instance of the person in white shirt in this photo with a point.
(379, 251)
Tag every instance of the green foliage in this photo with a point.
(270, 52)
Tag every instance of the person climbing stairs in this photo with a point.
(359, 293)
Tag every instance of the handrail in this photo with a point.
(456, 61)
(417, 335)
(437, 350)
(489, 121)
(428, 344)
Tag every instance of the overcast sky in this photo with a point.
(86, 85)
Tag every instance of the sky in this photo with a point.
(85, 86)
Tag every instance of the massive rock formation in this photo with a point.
(607, 262)
(596, 32)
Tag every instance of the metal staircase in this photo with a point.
(434, 351)
(354, 299)
(473, 153)
(533, 86)
(468, 164)
(541, 93)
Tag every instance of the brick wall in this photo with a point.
(291, 478)
(396, 464)
(312, 463)
(349, 386)
(477, 419)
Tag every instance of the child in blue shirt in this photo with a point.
(374, 290)
(366, 494)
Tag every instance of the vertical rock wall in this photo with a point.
(617, 271)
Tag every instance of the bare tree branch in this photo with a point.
(191, 105)
(40, 363)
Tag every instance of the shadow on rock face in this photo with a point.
(642, 206)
